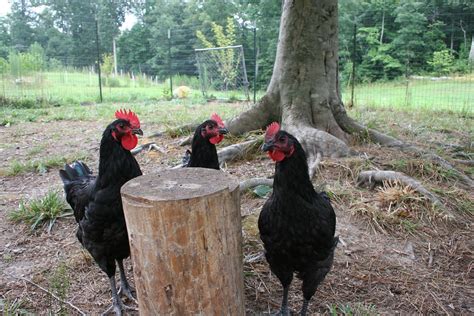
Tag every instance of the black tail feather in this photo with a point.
(75, 171)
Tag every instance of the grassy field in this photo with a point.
(454, 94)
(77, 87)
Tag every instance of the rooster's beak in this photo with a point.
(267, 146)
(137, 131)
(223, 130)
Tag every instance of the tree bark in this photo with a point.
(185, 237)
(304, 94)
(304, 89)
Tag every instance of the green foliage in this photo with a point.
(4, 66)
(226, 59)
(442, 62)
(12, 308)
(166, 93)
(41, 212)
(107, 65)
(113, 82)
(59, 284)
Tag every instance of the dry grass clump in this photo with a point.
(395, 206)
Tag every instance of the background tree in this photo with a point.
(226, 59)
(21, 25)
(304, 93)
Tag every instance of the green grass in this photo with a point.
(59, 284)
(42, 212)
(12, 307)
(77, 87)
(167, 113)
(456, 95)
(357, 309)
(41, 165)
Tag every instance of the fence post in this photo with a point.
(354, 43)
(407, 91)
(98, 56)
(255, 64)
(169, 63)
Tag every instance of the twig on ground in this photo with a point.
(157, 134)
(375, 177)
(147, 146)
(48, 292)
(254, 257)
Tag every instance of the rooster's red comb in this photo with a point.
(218, 120)
(272, 129)
(129, 116)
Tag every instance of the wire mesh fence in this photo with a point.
(222, 73)
(231, 73)
(427, 70)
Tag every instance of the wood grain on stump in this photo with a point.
(185, 236)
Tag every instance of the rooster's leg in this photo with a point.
(117, 305)
(125, 287)
(304, 309)
(284, 304)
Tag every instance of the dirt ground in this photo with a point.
(396, 255)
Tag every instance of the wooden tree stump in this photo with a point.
(185, 235)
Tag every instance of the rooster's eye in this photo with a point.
(281, 139)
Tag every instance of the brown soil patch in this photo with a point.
(379, 268)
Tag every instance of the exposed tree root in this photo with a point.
(257, 117)
(376, 177)
(147, 146)
(186, 141)
(469, 163)
(251, 183)
(353, 127)
(237, 151)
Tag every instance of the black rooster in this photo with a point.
(97, 203)
(296, 224)
(203, 152)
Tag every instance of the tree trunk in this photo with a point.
(185, 236)
(304, 94)
(383, 27)
(471, 52)
(304, 90)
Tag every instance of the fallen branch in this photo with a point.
(469, 163)
(147, 146)
(48, 292)
(239, 150)
(186, 141)
(251, 183)
(377, 177)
